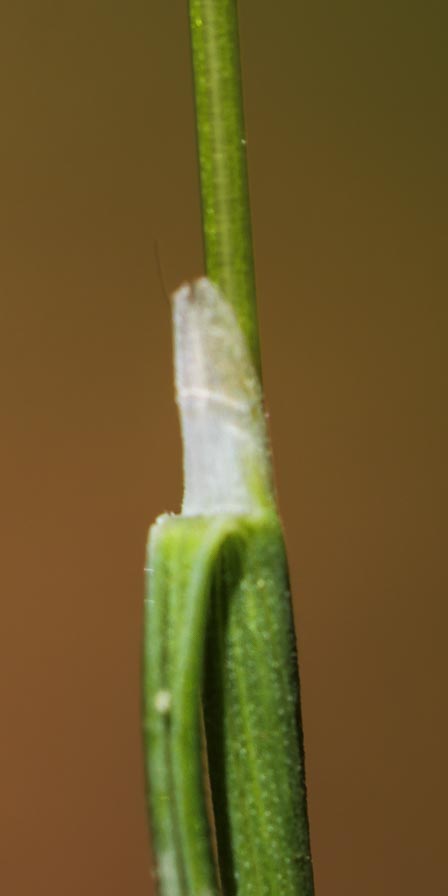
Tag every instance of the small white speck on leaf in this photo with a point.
(162, 702)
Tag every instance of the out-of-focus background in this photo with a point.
(347, 142)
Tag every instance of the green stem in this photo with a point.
(222, 160)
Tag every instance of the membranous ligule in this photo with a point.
(226, 458)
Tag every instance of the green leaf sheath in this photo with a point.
(222, 159)
(252, 718)
(181, 555)
(221, 584)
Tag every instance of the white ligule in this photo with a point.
(226, 464)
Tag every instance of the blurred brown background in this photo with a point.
(347, 141)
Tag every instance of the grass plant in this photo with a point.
(220, 668)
